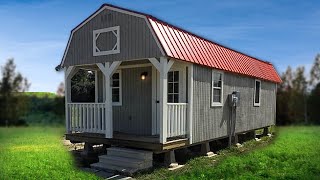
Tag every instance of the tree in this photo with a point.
(314, 104)
(12, 81)
(292, 97)
(60, 90)
(284, 94)
(12, 104)
(298, 103)
(83, 86)
(299, 83)
(286, 79)
(315, 71)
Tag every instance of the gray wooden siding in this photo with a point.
(134, 116)
(136, 40)
(212, 122)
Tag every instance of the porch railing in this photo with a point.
(86, 117)
(177, 119)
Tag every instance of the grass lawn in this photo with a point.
(38, 153)
(294, 154)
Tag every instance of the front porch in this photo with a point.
(142, 104)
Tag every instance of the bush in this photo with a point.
(33, 108)
(45, 109)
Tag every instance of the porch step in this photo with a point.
(124, 160)
(130, 153)
(102, 166)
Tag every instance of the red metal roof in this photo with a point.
(183, 45)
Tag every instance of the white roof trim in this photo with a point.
(117, 10)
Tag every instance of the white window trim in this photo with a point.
(120, 89)
(217, 104)
(116, 49)
(254, 93)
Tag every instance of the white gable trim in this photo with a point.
(117, 10)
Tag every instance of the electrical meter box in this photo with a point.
(234, 99)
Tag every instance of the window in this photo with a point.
(217, 88)
(116, 89)
(173, 87)
(106, 41)
(257, 92)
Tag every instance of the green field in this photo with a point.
(38, 153)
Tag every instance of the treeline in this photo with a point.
(44, 109)
(298, 97)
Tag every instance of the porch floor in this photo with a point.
(150, 142)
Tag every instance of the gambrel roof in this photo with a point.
(180, 44)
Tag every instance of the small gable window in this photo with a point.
(106, 41)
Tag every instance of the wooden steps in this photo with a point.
(125, 160)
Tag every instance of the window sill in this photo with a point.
(256, 104)
(216, 104)
(116, 104)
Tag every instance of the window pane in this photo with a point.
(216, 95)
(170, 76)
(176, 76)
(115, 76)
(170, 87)
(170, 98)
(176, 98)
(217, 77)
(115, 95)
(115, 84)
(217, 84)
(257, 93)
(176, 88)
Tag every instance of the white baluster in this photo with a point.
(91, 117)
(99, 118)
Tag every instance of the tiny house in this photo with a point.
(161, 88)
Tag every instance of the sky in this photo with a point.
(283, 32)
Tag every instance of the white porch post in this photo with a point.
(163, 100)
(68, 73)
(108, 105)
(163, 67)
(108, 71)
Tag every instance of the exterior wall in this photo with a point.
(134, 115)
(212, 122)
(136, 39)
